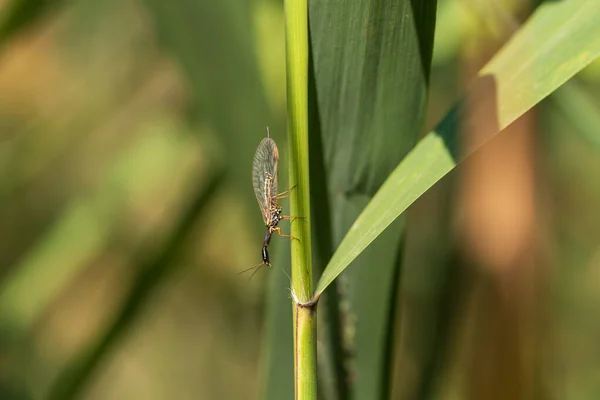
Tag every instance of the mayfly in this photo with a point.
(264, 180)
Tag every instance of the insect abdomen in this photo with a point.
(265, 255)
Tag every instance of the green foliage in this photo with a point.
(558, 41)
(359, 93)
(371, 63)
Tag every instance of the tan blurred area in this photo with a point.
(495, 284)
(496, 218)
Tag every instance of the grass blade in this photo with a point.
(559, 40)
(333, 375)
(371, 61)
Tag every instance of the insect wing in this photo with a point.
(264, 174)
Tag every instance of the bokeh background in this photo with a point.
(127, 130)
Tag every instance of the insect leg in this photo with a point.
(278, 230)
(292, 219)
(285, 194)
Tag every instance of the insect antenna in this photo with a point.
(268, 132)
(259, 266)
(255, 268)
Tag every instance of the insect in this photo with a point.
(264, 180)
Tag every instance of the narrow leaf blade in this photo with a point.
(371, 67)
(559, 40)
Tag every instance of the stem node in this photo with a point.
(312, 303)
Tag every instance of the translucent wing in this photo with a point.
(264, 174)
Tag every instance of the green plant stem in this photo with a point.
(305, 352)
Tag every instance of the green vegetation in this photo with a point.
(444, 158)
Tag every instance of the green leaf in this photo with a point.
(559, 40)
(371, 66)
(332, 372)
(367, 55)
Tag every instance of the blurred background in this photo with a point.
(127, 131)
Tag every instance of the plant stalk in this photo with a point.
(305, 351)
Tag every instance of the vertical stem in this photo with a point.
(305, 352)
